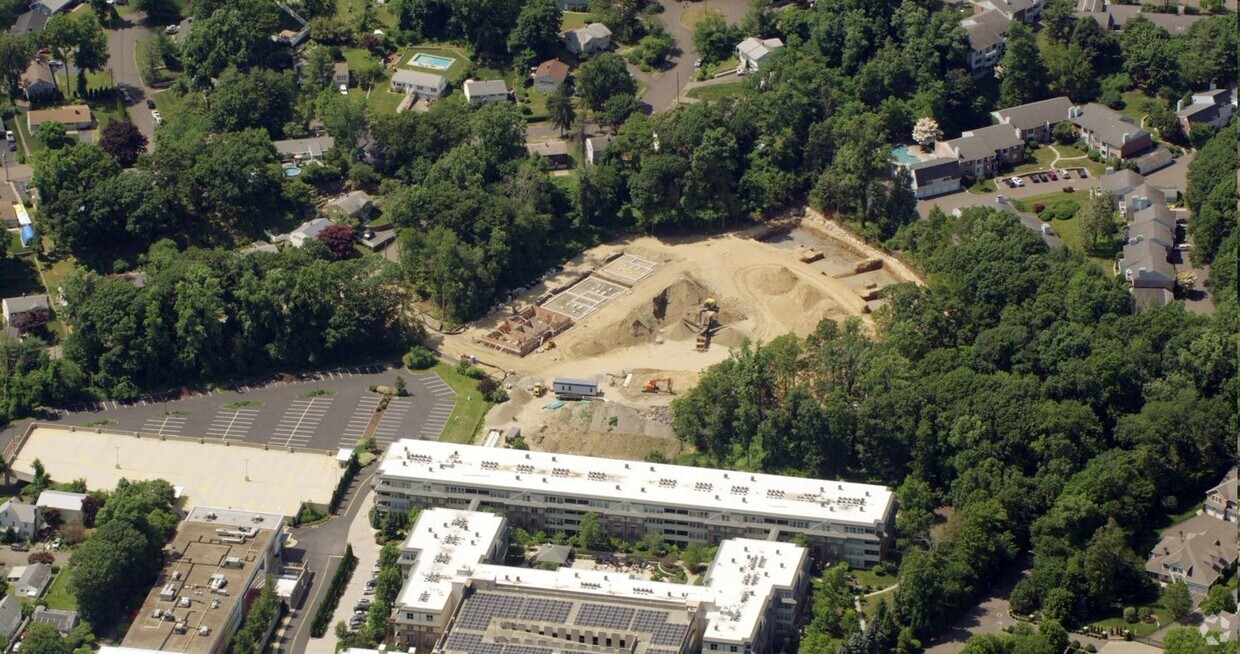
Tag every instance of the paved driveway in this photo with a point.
(325, 411)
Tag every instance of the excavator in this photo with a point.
(652, 385)
(537, 389)
(705, 323)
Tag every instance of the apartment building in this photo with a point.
(456, 601)
(841, 521)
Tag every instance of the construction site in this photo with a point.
(643, 318)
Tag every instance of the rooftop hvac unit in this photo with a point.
(204, 630)
(180, 627)
(218, 581)
(185, 602)
(232, 562)
(168, 592)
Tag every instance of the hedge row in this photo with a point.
(327, 608)
(342, 487)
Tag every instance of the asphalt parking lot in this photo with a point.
(326, 410)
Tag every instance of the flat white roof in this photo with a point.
(215, 515)
(210, 473)
(61, 500)
(708, 489)
(450, 544)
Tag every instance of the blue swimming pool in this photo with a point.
(901, 155)
(292, 171)
(431, 61)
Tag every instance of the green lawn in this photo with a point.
(694, 15)
(1069, 230)
(1140, 629)
(870, 604)
(347, 8)
(32, 145)
(571, 20)
(710, 69)
(380, 99)
(1050, 200)
(1043, 157)
(1187, 513)
(58, 595)
(716, 92)
(459, 63)
(865, 578)
(162, 75)
(1135, 102)
(470, 407)
(106, 110)
(171, 105)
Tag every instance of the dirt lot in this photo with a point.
(763, 290)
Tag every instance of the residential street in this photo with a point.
(663, 87)
(123, 40)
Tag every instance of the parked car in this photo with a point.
(1083, 173)
(1016, 181)
(1051, 174)
(1035, 178)
(159, 118)
(19, 547)
(1063, 172)
(1046, 229)
(150, 104)
(697, 63)
(362, 605)
(172, 29)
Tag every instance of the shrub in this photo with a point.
(41, 557)
(468, 370)
(323, 617)
(486, 385)
(1039, 207)
(420, 357)
(1130, 614)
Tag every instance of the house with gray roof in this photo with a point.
(35, 307)
(64, 621)
(427, 86)
(752, 51)
(588, 40)
(489, 91)
(983, 152)
(1154, 160)
(987, 33)
(1023, 10)
(1153, 231)
(1035, 120)
(50, 8)
(10, 616)
(595, 145)
(1198, 552)
(355, 204)
(1213, 108)
(1141, 197)
(1120, 183)
(33, 580)
(38, 83)
(307, 149)
(937, 176)
(1111, 133)
(30, 22)
(1221, 500)
(308, 231)
(1158, 213)
(554, 151)
(340, 74)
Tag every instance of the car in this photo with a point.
(1035, 178)
(150, 104)
(1015, 181)
(1063, 172)
(344, 89)
(357, 621)
(368, 234)
(362, 605)
(9, 136)
(1182, 247)
(55, 63)
(697, 63)
(1051, 174)
(742, 72)
(1083, 173)
(370, 590)
(1046, 229)
(172, 29)
(159, 118)
(126, 96)
(19, 547)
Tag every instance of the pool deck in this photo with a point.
(433, 65)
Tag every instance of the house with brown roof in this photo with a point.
(73, 117)
(550, 75)
(1213, 108)
(1198, 552)
(38, 83)
(1111, 133)
(987, 34)
(1035, 120)
(983, 152)
(1221, 500)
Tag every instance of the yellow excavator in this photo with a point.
(538, 389)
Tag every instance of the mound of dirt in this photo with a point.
(663, 317)
(773, 280)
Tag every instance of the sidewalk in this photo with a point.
(362, 538)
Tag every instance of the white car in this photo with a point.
(159, 119)
(1063, 172)
(1016, 181)
(172, 29)
(344, 89)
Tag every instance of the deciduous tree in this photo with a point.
(124, 141)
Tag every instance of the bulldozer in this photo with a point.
(705, 324)
(652, 385)
(537, 389)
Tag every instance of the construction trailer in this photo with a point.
(575, 389)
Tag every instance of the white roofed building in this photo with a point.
(456, 601)
(547, 491)
(752, 51)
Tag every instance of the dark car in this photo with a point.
(150, 104)
(1035, 178)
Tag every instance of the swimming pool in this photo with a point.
(901, 155)
(292, 171)
(430, 61)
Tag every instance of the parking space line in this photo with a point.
(166, 425)
(232, 424)
(300, 420)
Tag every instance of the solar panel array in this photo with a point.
(604, 616)
(463, 641)
(669, 634)
(480, 609)
(546, 610)
(647, 621)
(526, 649)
